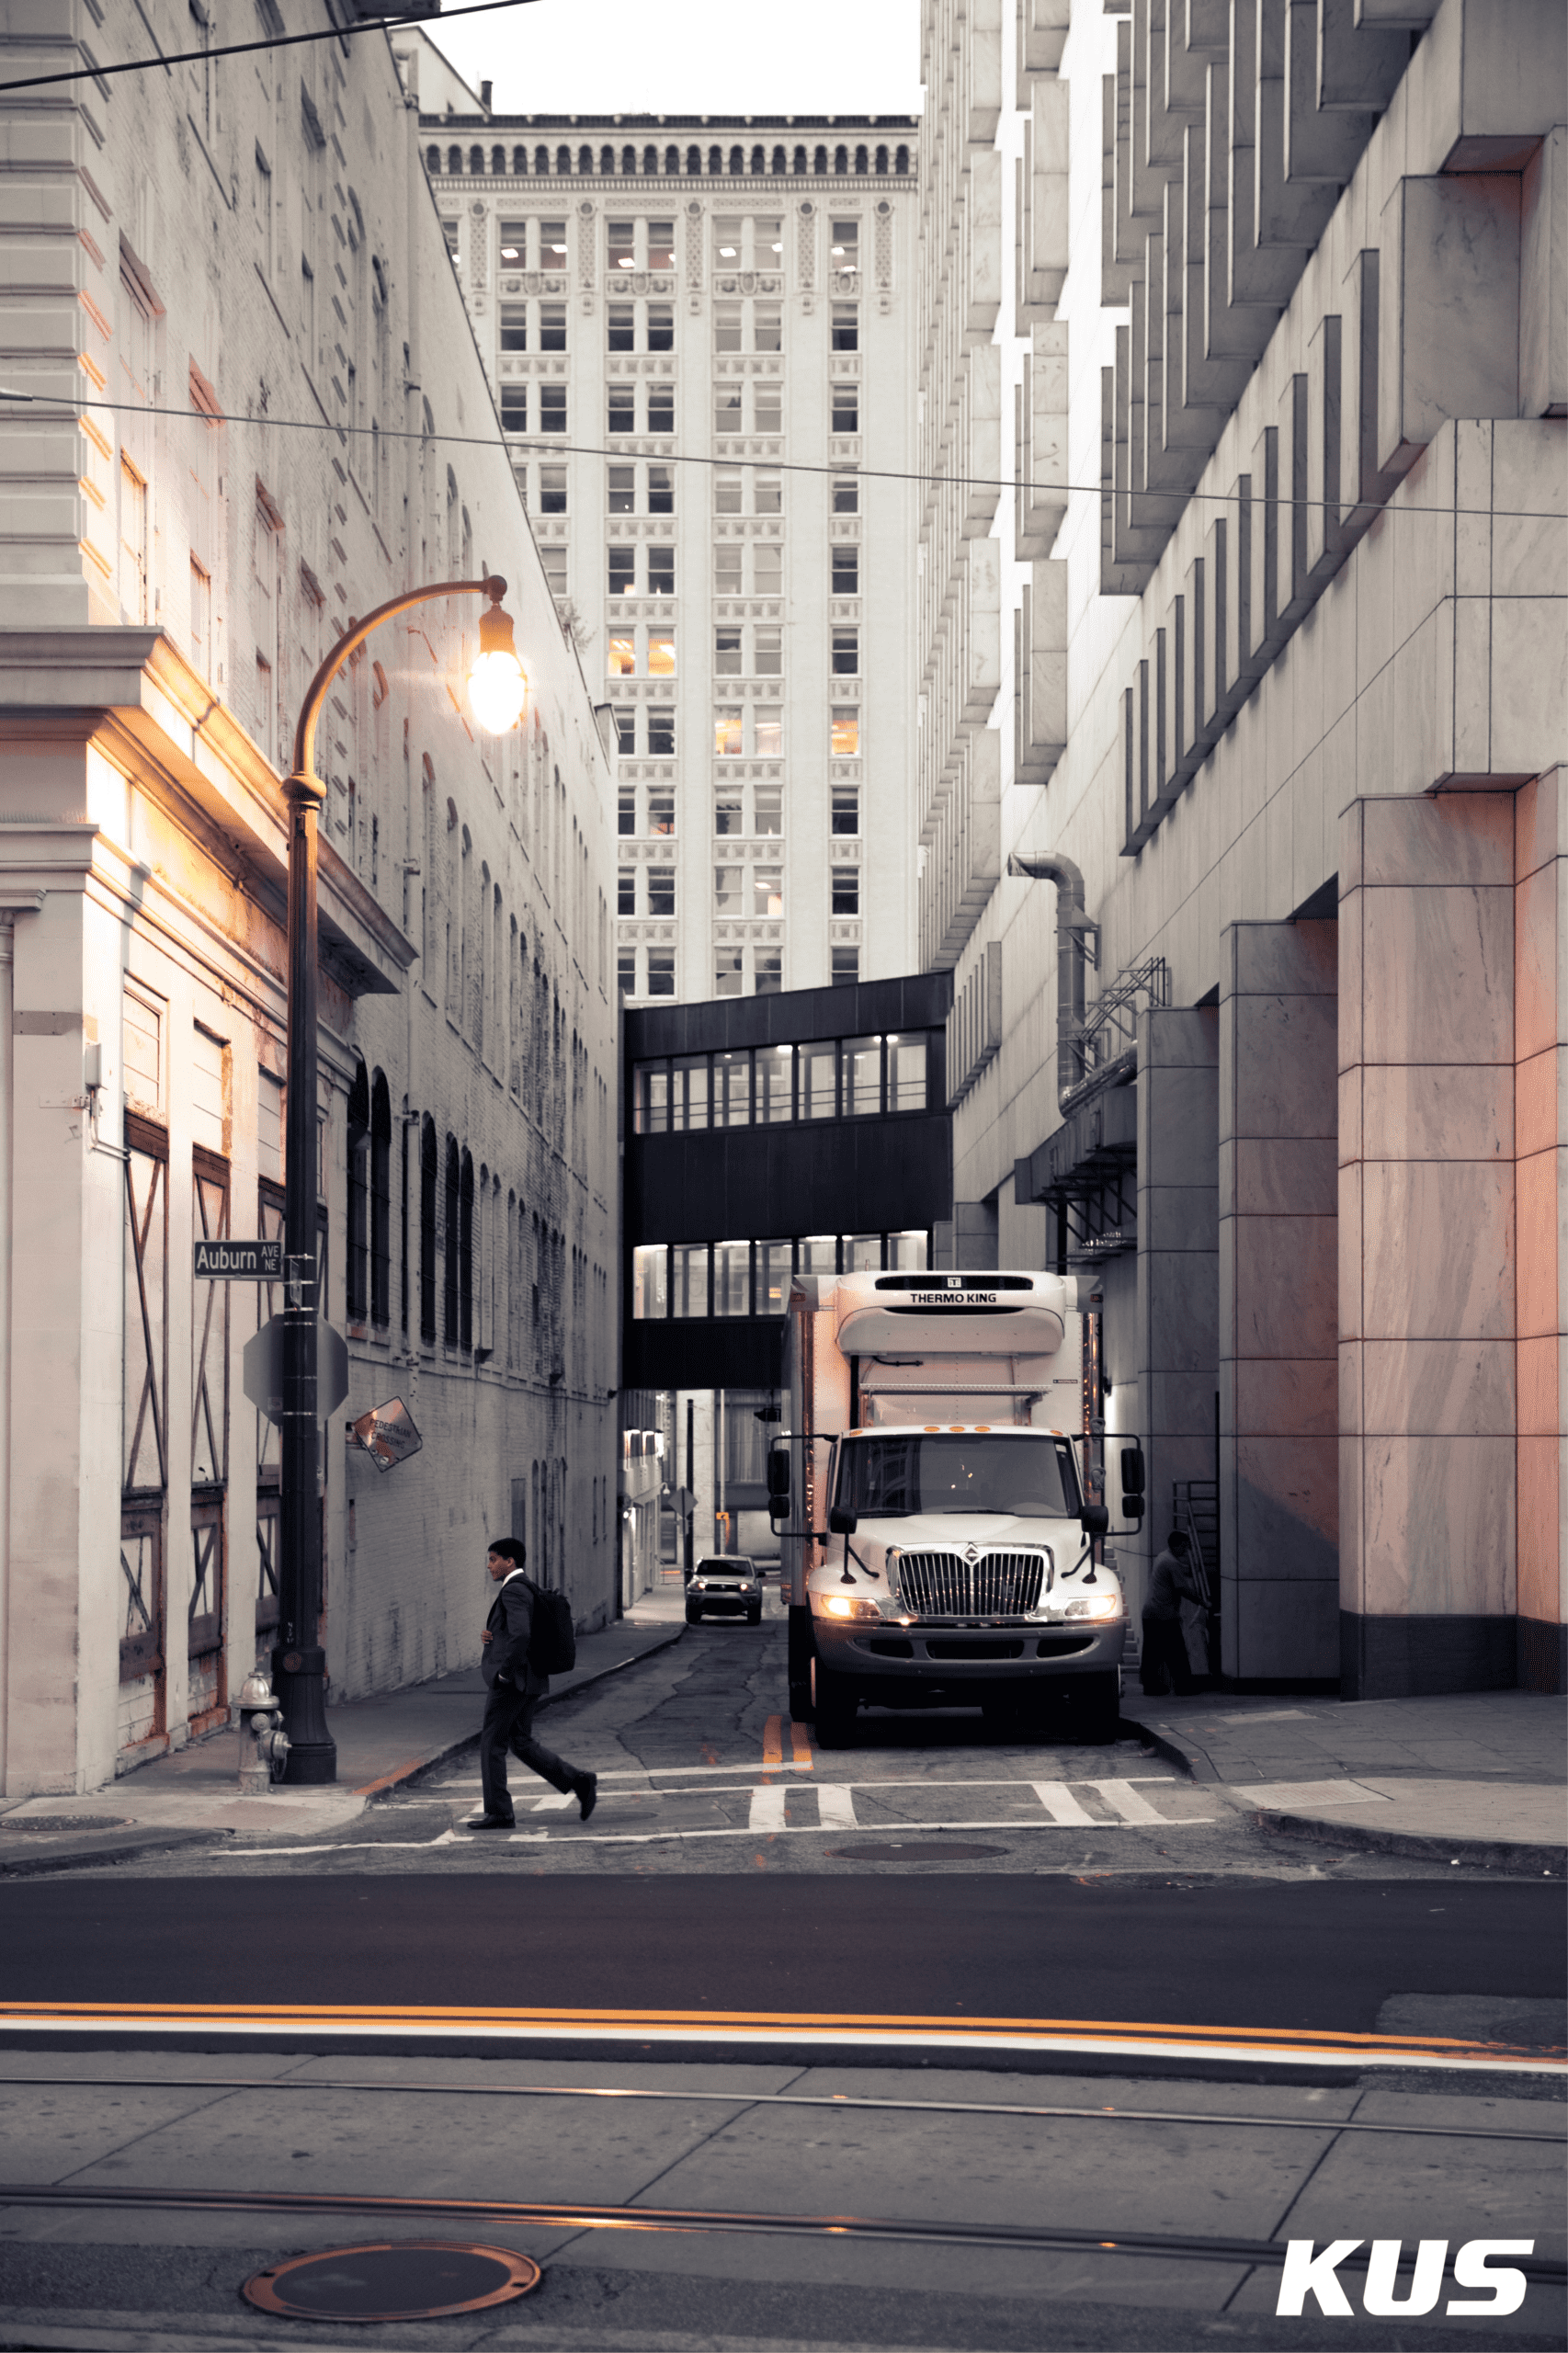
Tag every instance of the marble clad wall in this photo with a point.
(1278, 1474)
(1540, 1108)
(1178, 1299)
(1427, 1289)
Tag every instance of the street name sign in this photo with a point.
(239, 1262)
(262, 1362)
(387, 1434)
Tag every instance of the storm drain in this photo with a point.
(913, 1851)
(394, 2279)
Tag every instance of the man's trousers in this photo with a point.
(508, 1724)
(1163, 1663)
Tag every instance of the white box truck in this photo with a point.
(937, 1547)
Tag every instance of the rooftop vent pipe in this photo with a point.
(1072, 928)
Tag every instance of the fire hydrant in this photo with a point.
(263, 1745)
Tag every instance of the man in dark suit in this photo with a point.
(514, 1693)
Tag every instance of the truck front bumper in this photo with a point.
(946, 1653)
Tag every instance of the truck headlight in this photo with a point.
(1098, 1604)
(845, 1605)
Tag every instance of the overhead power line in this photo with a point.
(248, 48)
(538, 445)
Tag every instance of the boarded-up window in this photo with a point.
(208, 1091)
(141, 1051)
(270, 1126)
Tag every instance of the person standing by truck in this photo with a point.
(1163, 1662)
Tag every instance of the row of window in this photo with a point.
(740, 568)
(753, 241)
(688, 1279)
(826, 1078)
(732, 643)
(756, 407)
(735, 163)
(749, 809)
(739, 892)
(651, 971)
(651, 490)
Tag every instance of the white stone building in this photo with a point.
(1264, 309)
(702, 333)
(255, 409)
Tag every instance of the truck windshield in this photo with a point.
(896, 1478)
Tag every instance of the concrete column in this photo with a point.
(1177, 1267)
(1278, 1473)
(1426, 1236)
(1540, 1140)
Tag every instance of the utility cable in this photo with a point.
(248, 48)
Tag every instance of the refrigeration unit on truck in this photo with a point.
(937, 1547)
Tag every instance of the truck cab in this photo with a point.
(938, 1548)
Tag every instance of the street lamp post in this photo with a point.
(496, 689)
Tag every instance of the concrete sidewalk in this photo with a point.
(1474, 1777)
(193, 1796)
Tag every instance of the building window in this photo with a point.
(514, 244)
(731, 1074)
(552, 490)
(775, 1083)
(727, 654)
(660, 746)
(768, 651)
(846, 494)
(649, 1282)
(727, 972)
(768, 809)
(818, 1062)
(200, 620)
(768, 411)
(661, 971)
(450, 230)
(661, 570)
(652, 1107)
(513, 408)
(626, 891)
(622, 326)
(817, 1254)
(380, 1203)
(625, 741)
(773, 1271)
(727, 481)
(862, 1076)
(621, 579)
(846, 572)
(845, 652)
(513, 326)
(453, 1192)
(727, 238)
(626, 970)
(620, 244)
(688, 1101)
(427, 1172)
(846, 731)
(626, 800)
(862, 1253)
(846, 327)
(552, 244)
(767, 892)
(553, 408)
(621, 409)
(661, 408)
(767, 327)
(358, 1196)
(623, 654)
(727, 409)
(768, 493)
(727, 734)
(768, 972)
(846, 890)
(661, 326)
(847, 245)
(553, 560)
(907, 1074)
(732, 1278)
(622, 497)
(661, 654)
(552, 326)
(726, 326)
(728, 814)
(845, 966)
(768, 568)
(661, 891)
(770, 739)
(661, 244)
(846, 408)
(729, 886)
(907, 1250)
(727, 569)
(688, 1279)
(660, 490)
(846, 809)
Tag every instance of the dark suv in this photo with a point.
(728, 1585)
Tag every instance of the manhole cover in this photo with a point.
(45, 1825)
(401, 2279)
(913, 1851)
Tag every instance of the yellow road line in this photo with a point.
(799, 1741)
(773, 1742)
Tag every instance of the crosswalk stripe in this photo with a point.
(767, 1808)
(1125, 1801)
(1063, 1806)
(835, 1805)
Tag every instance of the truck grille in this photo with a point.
(998, 1585)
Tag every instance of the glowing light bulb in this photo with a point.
(497, 688)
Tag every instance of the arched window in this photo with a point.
(758, 161)
(779, 165)
(513, 1239)
(465, 1255)
(380, 1202)
(820, 163)
(359, 1224)
(862, 161)
(672, 161)
(882, 163)
(585, 162)
(541, 162)
(450, 1255)
(520, 162)
(455, 163)
(498, 162)
(801, 163)
(629, 162)
(694, 162)
(563, 161)
(433, 160)
(427, 1173)
(737, 162)
(900, 161)
(607, 162)
(841, 159)
(476, 162)
(715, 162)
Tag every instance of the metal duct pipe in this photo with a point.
(1072, 924)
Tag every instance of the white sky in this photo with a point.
(702, 56)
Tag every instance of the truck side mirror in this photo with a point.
(1095, 1519)
(1132, 1483)
(841, 1523)
(778, 1483)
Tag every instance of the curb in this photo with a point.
(109, 1849)
(1196, 1769)
(404, 1775)
(1489, 1854)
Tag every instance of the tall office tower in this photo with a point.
(700, 334)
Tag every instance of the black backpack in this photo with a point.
(553, 1646)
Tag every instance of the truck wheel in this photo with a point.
(834, 1700)
(1092, 1708)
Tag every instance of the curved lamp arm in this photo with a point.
(304, 776)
